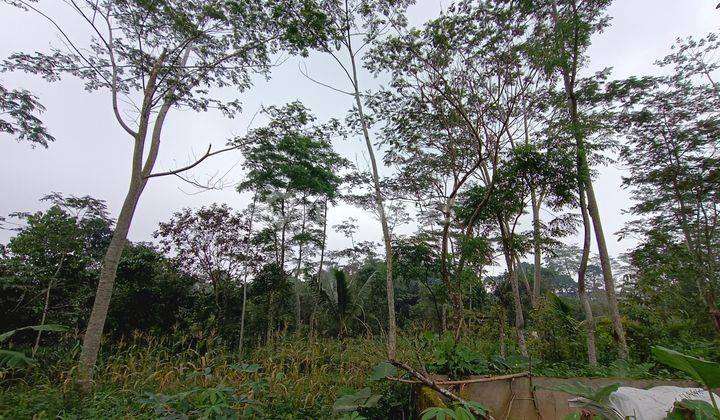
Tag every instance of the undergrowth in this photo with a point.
(189, 376)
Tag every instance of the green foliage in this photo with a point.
(594, 400)
(18, 360)
(703, 371)
(47, 327)
(14, 359)
(189, 374)
(349, 402)
(219, 402)
(452, 358)
(599, 395)
(20, 110)
(457, 411)
(382, 371)
(694, 409)
(291, 156)
(559, 333)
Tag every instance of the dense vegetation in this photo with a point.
(487, 124)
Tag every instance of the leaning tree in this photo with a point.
(151, 57)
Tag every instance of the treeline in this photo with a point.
(209, 271)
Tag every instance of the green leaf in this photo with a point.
(581, 390)
(705, 372)
(4, 336)
(382, 371)
(696, 409)
(49, 327)
(363, 398)
(474, 405)
(14, 359)
(438, 413)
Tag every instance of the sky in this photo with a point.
(91, 154)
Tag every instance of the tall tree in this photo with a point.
(351, 26)
(672, 128)
(293, 168)
(563, 29)
(456, 86)
(158, 56)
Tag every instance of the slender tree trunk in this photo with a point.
(389, 286)
(313, 314)
(324, 239)
(502, 338)
(96, 324)
(569, 73)
(298, 303)
(582, 269)
(536, 202)
(444, 318)
(271, 317)
(245, 276)
(44, 316)
(455, 295)
(525, 280)
(609, 282)
(512, 275)
(242, 319)
(46, 305)
(282, 236)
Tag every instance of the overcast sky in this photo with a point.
(91, 154)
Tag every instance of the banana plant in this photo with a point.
(343, 298)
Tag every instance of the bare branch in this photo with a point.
(207, 154)
(305, 73)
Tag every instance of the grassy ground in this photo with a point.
(294, 378)
(149, 377)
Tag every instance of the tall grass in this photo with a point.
(298, 378)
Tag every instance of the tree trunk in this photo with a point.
(96, 324)
(44, 316)
(245, 276)
(455, 295)
(389, 286)
(298, 289)
(525, 280)
(282, 236)
(46, 305)
(501, 327)
(537, 247)
(512, 275)
(141, 170)
(569, 73)
(609, 282)
(582, 269)
(313, 314)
